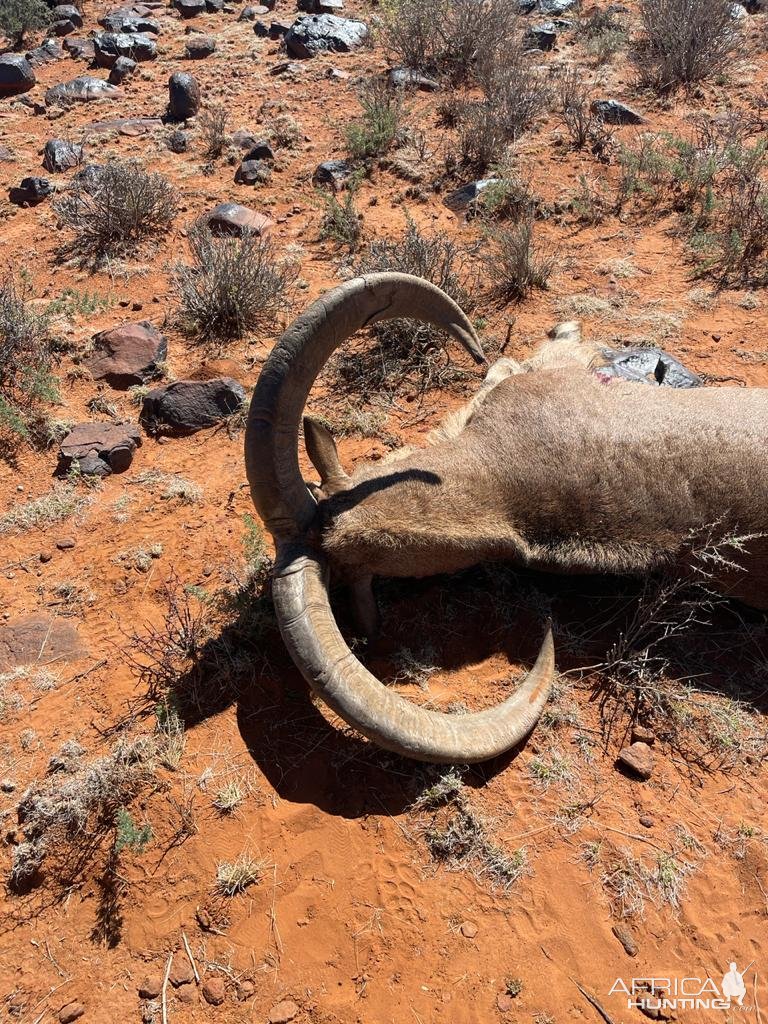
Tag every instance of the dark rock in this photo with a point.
(38, 640)
(526, 6)
(108, 46)
(79, 48)
(178, 142)
(626, 938)
(186, 406)
(71, 1012)
(551, 8)
(214, 6)
(638, 758)
(184, 96)
(66, 543)
(59, 155)
(649, 366)
(287, 67)
(112, 444)
(259, 149)
(68, 12)
(16, 74)
(31, 191)
(405, 78)
(122, 68)
(126, 20)
(63, 27)
(81, 90)
(234, 219)
(333, 173)
(261, 29)
(646, 821)
(89, 175)
(253, 172)
(613, 112)
(316, 33)
(541, 37)
(127, 355)
(189, 8)
(199, 47)
(47, 52)
(214, 990)
(251, 13)
(151, 987)
(465, 197)
(320, 6)
(278, 29)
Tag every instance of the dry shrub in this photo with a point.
(114, 208)
(377, 129)
(234, 285)
(516, 263)
(685, 41)
(26, 379)
(214, 121)
(408, 354)
(71, 812)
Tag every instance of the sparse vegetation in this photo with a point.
(115, 209)
(517, 264)
(375, 132)
(19, 17)
(408, 354)
(214, 122)
(26, 358)
(235, 877)
(342, 221)
(684, 42)
(129, 835)
(234, 285)
(61, 503)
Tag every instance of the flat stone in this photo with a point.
(38, 640)
(48, 51)
(462, 198)
(16, 74)
(214, 990)
(113, 444)
(614, 112)
(469, 929)
(317, 33)
(234, 219)
(81, 90)
(127, 355)
(647, 366)
(405, 78)
(186, 406)
(283, 1012)
(638, 758)
(79, 48)
(127, 20)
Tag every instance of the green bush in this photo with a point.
(18, 17)
(375, 132)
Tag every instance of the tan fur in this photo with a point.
(551, 468)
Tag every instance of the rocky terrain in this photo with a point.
(186, 835)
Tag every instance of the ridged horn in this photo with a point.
(300, 585)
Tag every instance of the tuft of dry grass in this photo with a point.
(233, 877)
(63, 502)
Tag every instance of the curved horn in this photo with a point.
(320, 652)
(300, 588)
(272, 434)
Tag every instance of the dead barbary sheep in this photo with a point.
(187, 406)
(550, 466)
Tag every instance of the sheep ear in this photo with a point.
(322, 451)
